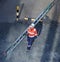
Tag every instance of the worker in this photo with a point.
(31, 35)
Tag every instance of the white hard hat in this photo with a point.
(32, 25)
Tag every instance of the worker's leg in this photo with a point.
(29, 45)
(30, 42)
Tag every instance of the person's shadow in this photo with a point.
(39, 27)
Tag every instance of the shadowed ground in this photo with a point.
(46, 46)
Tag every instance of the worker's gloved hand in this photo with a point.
(38, 33)
(35, 37)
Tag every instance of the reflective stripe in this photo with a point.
(29, 45)
(34, 29)
(30, 32)
(31, 36)
(35, 34)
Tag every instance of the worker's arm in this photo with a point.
(36, 34)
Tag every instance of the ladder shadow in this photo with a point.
(57, 51)
(51, 35)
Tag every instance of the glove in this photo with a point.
(35, 37)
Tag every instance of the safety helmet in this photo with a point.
(32, 25)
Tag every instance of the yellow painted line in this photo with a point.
(25, 18)
(32, 20)
(17, 8)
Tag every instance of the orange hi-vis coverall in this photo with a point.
(32, 33)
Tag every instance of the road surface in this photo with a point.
(46, 47)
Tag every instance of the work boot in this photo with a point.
(28, 48)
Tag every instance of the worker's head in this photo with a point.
(32, 25)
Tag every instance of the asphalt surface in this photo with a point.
(46, 47)
(31, 9)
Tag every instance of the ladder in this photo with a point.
(23, 35)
